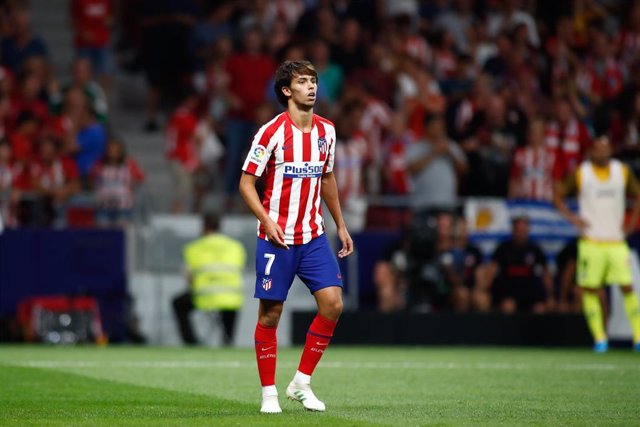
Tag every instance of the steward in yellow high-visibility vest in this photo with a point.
(215, 263)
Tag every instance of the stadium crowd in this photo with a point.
(433, 100)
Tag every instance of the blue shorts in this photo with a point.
(313, 262)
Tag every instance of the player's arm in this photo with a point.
(250, 195)
(560, 191)
(329, 193)
(633, 190)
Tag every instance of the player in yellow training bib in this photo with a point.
(602, 185)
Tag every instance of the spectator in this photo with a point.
(329, 74)
(434, 164)
(352, 157)
(389, 276)
(214, 263)
(115, 178)
(458, 22)
(207, 33)
(399, 139)
(481, 46)
(213, 82)
(445, 58)
(348, 51)
(628, 43)
(567, 138)
(24, 138)
(91, 23)
(12, 182)
(54, 179)
(469, 263)
(493, 134)
(250, 71)
(21, 44)
(628, 149)
(89, 143)
(181, 150)
(518, 272)
(82, 78)
(531, 176)
(569, 293)
(605, 73)
(5, 109)
(166, 27)
(29, 98)
(451, 290)
(509, 16)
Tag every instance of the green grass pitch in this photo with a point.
(111, 386)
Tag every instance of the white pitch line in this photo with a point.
(180, 364)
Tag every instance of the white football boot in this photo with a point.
(270, 404)
(303, 394)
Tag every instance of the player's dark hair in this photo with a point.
(211, 222)
(286, 73)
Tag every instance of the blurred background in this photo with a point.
(123, 121)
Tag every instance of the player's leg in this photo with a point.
(266, 345)
(620, 272)
(319, 335)
(319, 270)
(275, 269)
(590, 276)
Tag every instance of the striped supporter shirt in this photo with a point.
(293, 163)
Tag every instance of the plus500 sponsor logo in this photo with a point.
(303, 170)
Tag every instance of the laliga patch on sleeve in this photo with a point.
(258, 153)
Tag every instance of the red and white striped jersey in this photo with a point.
(352, 155)
(532, 171)
(293, 163)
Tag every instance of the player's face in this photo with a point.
(601, 150)
(303, 90)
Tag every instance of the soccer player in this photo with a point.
(295, 153)
(602, 185)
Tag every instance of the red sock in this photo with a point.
(266, 353)
(318, 337)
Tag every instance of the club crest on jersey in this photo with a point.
(322, 145)
(266, 283)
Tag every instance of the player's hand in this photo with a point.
(347, 243)
(275, 234)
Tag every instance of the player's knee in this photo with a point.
(333, 309)
(269, 320)
(269, 314)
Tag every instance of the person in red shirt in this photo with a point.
(91, 22)
(23, 138)
(250, 71)
(28, 99)
(566, 137)
(12, 182)
(182, 150)
(54, 179)
(531, 169)
(115, 178)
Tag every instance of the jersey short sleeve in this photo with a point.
(260, 151)
(331, 136)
